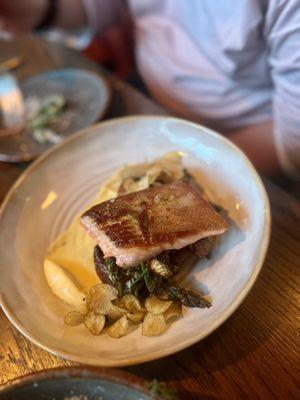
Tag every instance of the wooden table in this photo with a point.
(255, 353)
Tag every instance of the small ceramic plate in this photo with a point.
(86, 95)
(74, 172)
(77, 383)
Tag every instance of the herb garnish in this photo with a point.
(142, 281)
(160, 389)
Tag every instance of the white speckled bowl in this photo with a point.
(74, 171)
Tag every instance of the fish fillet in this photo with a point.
(137, 226)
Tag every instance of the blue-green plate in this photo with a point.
(87, 97)
(77, 383)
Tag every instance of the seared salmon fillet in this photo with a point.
(138, 226)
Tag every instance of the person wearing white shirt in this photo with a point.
(231, 65)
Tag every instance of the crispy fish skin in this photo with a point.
(137, 226)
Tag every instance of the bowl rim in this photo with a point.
(159, 353)
(77, 371)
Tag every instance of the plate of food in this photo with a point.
(133, 239)
(57, 104)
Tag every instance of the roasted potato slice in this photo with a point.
(131, 303)
(137, 317)
(99, 298)
(94, 322)
(116, 312)
(173, 312)
(156, 306)
(73, 318)
(153, 324)
(119, 328)
(130, 185)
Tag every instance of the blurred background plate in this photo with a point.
(86, 95)
(77, 383)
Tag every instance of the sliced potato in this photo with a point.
(73, 318)
(173, 312)
(94, 322)
(62, 284)
(99, 298)
(160, 268)
(119, 328)
(153, 173)
(157, 306)
(172, 163)
(159, 174)
(153, 325)
(83, 308)
(116, 312)
(131, 185)
(137, 317)
(131, 303)
(134, 171)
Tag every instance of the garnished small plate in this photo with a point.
(58, 103)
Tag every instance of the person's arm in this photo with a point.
(275, 146)
(258, 143)
(282, 35)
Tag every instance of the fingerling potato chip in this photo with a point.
(173, 312)
(119, 328)
(153, 325)
(116, 312)
(94, 322)
(99, 298)
(131, 303)
(154, 305)
(73, 318)
(136, 318)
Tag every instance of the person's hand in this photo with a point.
(20, 16)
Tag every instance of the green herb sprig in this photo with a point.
(160, 390)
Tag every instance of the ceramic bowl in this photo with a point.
(87, 96)
(74, 171)
(77, 383)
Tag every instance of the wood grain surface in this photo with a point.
(255, 353)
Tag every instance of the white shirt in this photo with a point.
(224, 63)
